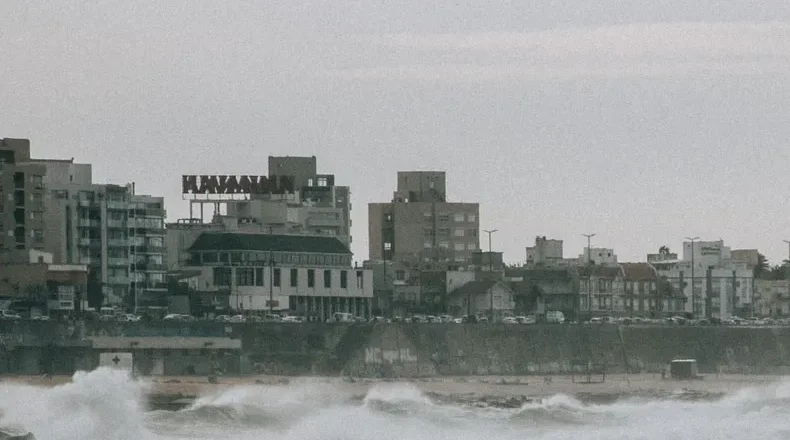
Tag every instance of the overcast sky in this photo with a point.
(643, 121)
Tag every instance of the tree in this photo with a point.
(95, 293)
(762, 269)
(663, 250)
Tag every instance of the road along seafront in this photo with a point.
(177, 392)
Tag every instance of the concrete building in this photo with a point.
(545, 252)
(31, 283)
(419, 228)
(316, 207)
(772, 298)
(599, 256)
(544, 289)
(715, 291)
(306, 275)
(708, 253)
(147, 255)
(748, 257)
(21, 197)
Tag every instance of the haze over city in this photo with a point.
(643, 123)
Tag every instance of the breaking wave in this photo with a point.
(108, 405)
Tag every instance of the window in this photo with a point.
(400, 275)
(443, 218)
(327, 279)
(38, 235)
(259, 276)
(427, 245)
(427, 215)
(360, 279)
(245, 276)
(458, 232)
(471, 218)
(472, 246)
(444, 244)
(387, 246)
(222, 276)
(310, 277)
(428, 232)
(387, 217)
(460, 247)
(276, 280)
(344, 279)
(294, 277)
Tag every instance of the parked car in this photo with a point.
(9, 315)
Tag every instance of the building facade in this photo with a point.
(305, 275)
(21, 197)
(772, 298)
(545, 252)
(147, 255)
(490, 298)
(419, 228)
(599, 256)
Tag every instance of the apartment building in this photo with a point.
(147, 253)
(306, 275)
(21, 197)
(545, 252)
(419, 228)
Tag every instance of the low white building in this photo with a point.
(772, 298)
(304, 275)
(717, 291)
(599, 256)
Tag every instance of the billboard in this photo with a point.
(231, 184)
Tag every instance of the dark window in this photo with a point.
(276, 277)
(310, 277)
(294, 277)
(327, 278)
(222, 276)
(344, 279)
(259, 276)
(360, 279)
(245, 276)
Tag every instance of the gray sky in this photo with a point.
(642, 121)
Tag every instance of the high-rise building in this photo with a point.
(419, 228)
(146, 232)
(21, 197)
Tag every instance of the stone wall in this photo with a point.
(409, 350)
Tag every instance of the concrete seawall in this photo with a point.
(413, 350)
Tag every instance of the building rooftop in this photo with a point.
(211, 241)
(639, 271)
(476, 287)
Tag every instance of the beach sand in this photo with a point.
(479, 386)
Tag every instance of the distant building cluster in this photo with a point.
(280, 244)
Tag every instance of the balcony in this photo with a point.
(117, 242)
(85, 203)
(115, 205)
(87, 223)
(85, 260)
(118, 262)
(84, 242)
(118, 280)
(116, 224)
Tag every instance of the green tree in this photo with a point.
(762, 269)
(663, 250)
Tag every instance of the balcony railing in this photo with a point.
(118, 262)
(118, 280)
(87, 223)
(116, 224)
(117, 205)
(119, 242)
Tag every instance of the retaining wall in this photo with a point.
(409, 350)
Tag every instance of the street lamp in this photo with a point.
(589, 275)
(693, 290)
(490, 269)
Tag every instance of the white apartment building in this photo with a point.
(546, 252)
(599, 256)
(307, 275)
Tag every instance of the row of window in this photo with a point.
(279, 257)
(445, 232)
(456, 246)
(255, 276)
(607, 302)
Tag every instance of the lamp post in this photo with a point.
(491, 270)
(694, 310)
(589, 274)
(787, 272)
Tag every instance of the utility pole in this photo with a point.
(787, 274)
(271, 282)
(694, 310)
(491, 273)
(589, 275)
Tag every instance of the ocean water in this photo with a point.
(106, 404)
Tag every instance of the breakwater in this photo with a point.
(392, 350)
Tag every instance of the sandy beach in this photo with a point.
(480, 386)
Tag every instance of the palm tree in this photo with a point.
(663, 250)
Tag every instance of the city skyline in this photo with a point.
(643, 123)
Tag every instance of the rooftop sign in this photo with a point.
(230, 184)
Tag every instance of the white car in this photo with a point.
(9, 315)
